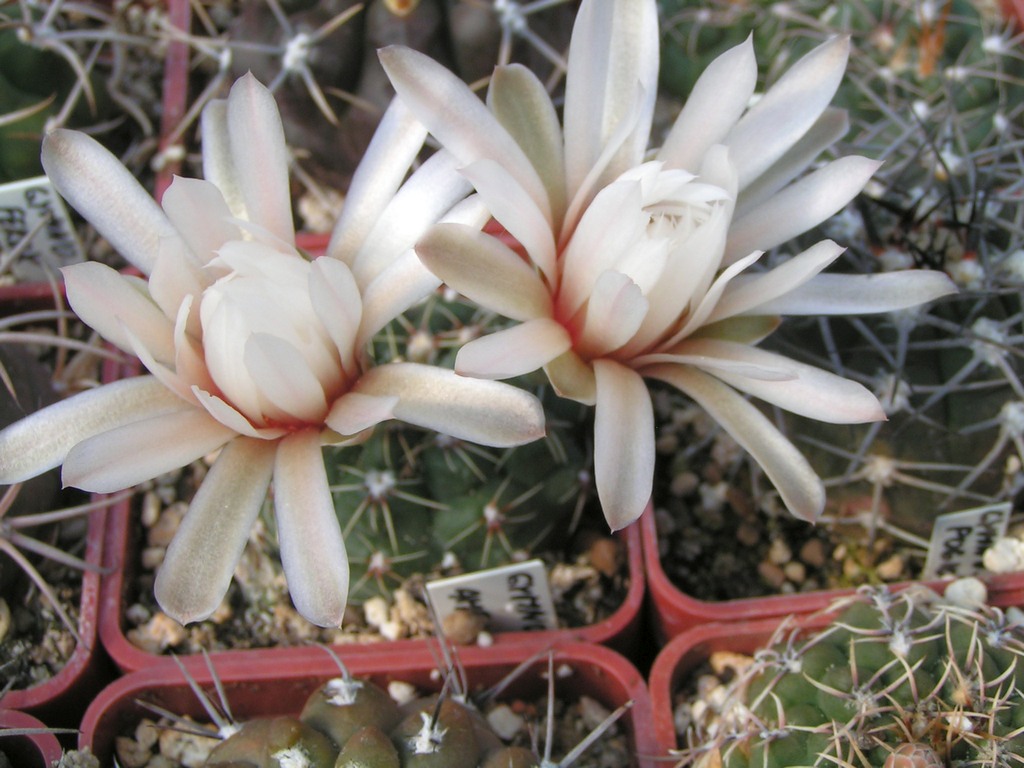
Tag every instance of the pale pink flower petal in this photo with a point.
(41, 441)
(828, 294)
(800, 488)
(613, 56)
(312, 549)
(511, 205)
(107, 301)
(338, 305)
(259, 156)
(615, 312)
(513, 351)
(749, 292)
(396, 142)
(198, 210)
(718, 99)
(457, 117)
(100, 188)
(483, 412)
(796, 387)
(230, 417)
(522, 105)
(831, 127)
(218, 165)
(406, 279)
(788, 110)
(354, 412)
(175, 280)
(800, 206)
(200, 561)
(283, 376)
(611, 226)
(623, 443)
(485, 270)
(133, 453)
(428, 196)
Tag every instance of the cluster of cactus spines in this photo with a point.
(68, 64)
(894, 680)
(935, 88)
(415, 501)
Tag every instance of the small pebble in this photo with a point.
(891, 569)
(189, 749)
(748, 535)
(1005, 556)
(592, 712)
(463, 627)
(795, 571)
(606, 555)
(813, 553)
(779, 552)
(5, 619)
(376, 611)
(131, 754)
(968, 592)
(150, 509)
(505, 722)
(772, 574)
(402, 692)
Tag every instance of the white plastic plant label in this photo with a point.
(512, 598)
(38, 236)
(959, 540)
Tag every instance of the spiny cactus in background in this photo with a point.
(414, 501)
(320, 60)
(892, 679)
(75, 65)
(936, 90)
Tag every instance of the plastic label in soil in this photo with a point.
(38, 236)
(959, 540)
(511, 598)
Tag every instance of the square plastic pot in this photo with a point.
(29, 750)
(621, 630)
(268, 687)
(673, 611)
(62, 699)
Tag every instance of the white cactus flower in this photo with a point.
(251, 346)
(632, 265)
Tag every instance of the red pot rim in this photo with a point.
(621, 630)
(265, 686)
(62, 698)
(34, 750)
(673, 611)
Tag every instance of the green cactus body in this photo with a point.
(898, 680)
(281, 742)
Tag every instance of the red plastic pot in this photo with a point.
(62, 699)
(30, 750)
(621, 630)
(268, 687)
(673, 611)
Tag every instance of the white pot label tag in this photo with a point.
(512, 598)
(32, 209)
(959, 539)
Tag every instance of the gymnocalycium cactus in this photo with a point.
(891, 678)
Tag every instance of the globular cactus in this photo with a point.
(894, 680)
(350, 722)
(933, 88)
